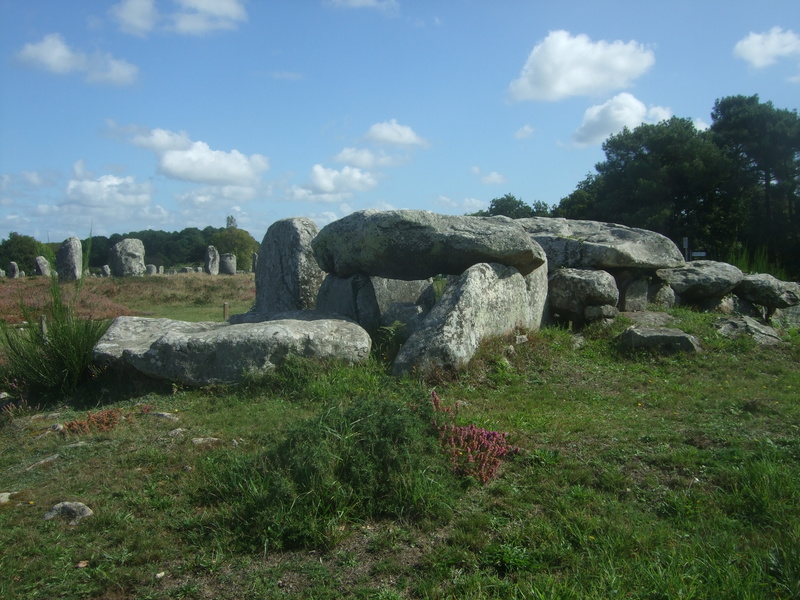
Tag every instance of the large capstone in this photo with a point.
(199, 354)
(486, 300)
(595, 245)
(126, 258)
(701, 279)
(416, 244)
(69, 259)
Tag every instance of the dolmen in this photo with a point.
(442, 284)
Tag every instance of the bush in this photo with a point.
(49, 362)
(375, 458)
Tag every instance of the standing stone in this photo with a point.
(161, 269)
(69, 260)
(105, 271)
(42, 267)
(150, 270)
(13, 270)
(254, 262)
(212, 261)
(227, 264)
(126, 258)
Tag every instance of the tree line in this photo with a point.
(167, 249)
(729, 189)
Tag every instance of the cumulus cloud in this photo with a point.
(53, 54)
(348, 179)
(563, 65)
(524, 132)
(108, 191)
(392, 132)
(764, 49)
(363, 158)
(493, 178)
(193, 17)
(137, 17)
(179, 157)
(623, 110)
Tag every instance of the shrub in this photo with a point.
(372, 459)
(50, 362)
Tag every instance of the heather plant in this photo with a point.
(472, 451)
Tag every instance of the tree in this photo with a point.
(510, 206)
(23, 250)
(236, 241)
(764, 144)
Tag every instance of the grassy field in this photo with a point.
(637, 476)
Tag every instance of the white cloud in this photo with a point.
(227, 197)
(364, 158)
(54, 54)
(392, 132)
(764, 49)
(564, 65)
(386, 5)
(492, 178)
(524, 132)
(201, 16)
(201, 164)
(108, 192)
(623, 110)
(137, 17)
(181, 158)
(348, 179)
(701, 125)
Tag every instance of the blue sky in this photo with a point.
(117, 116)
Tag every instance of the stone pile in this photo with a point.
(328, 292)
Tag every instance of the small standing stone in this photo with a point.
(227, 264)
(42, 266)
(69, 260)
(212, 261)
(13, 270)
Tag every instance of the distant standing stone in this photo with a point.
(105, 271)
(212, 261)
(151, 269)
(13, 270)
(227, 264)
(42, 266)
(69, 260)
(126, 258)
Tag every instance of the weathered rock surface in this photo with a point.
(287, 275)
(13, 270)
(702, 279)
(732, 327)
(572, 290)
(662, 339)
(74, 511)
(766, 290)
(591, 244)
(201, 353)
(227, 264)
(415, 244)
(367, 299)
(126, 258)
(211, 265)
(42, 267)
(487, 300)
(69, 260)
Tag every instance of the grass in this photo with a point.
(639, 476)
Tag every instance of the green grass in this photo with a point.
(640, 476)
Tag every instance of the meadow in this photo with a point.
(630, 475)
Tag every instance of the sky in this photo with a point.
(119, 116)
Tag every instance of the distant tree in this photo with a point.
(236, 241)
(23, 250)
(511, 206)
(230, 222)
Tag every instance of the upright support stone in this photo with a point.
(42, 267)
(69, 260)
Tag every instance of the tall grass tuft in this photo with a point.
(48, 363)
(372, 459)
(756, 261)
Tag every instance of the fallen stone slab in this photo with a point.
(733, 327)
(592, 244)
(661, 339)
(417, 244)
(197, 356)
(766, 290)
